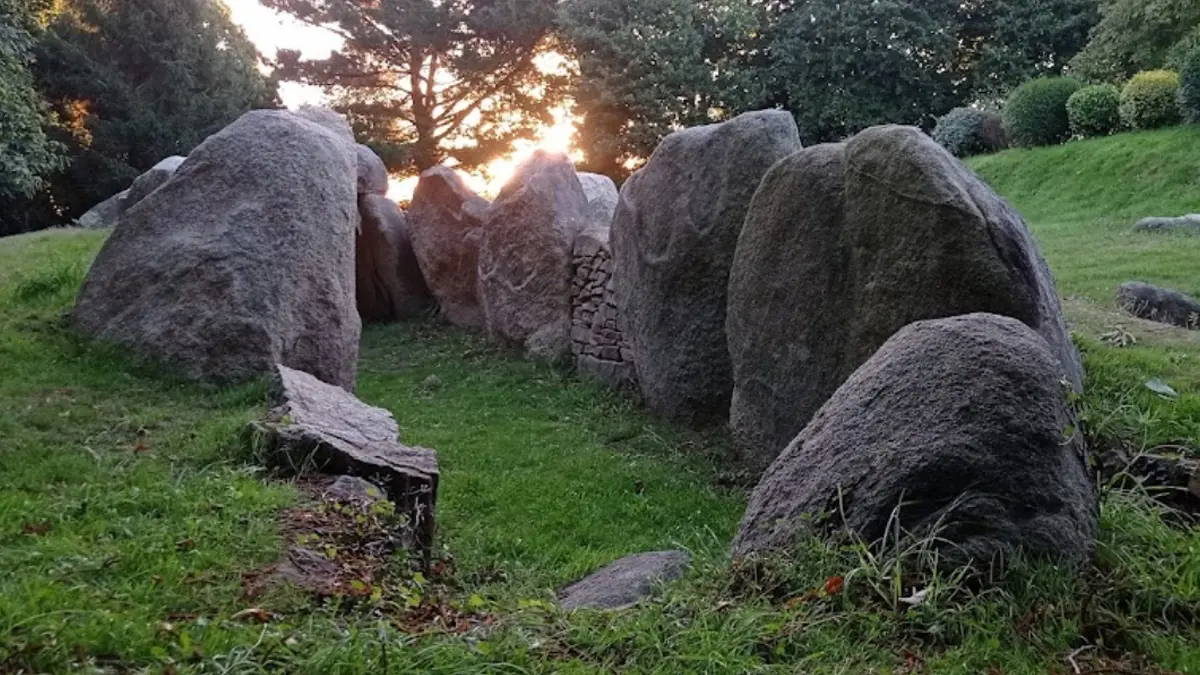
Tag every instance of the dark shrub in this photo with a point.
(1036, 112)
(1095, 111)
(967, 131)
(1151, 100)
(1189, 87)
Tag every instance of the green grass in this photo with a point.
(129, 510)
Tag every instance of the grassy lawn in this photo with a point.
(129, 511)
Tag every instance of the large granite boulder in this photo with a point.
(389, 285)
(966, 421)
(445, 222)
(372, 174)
(243, 260)
(845, 244)
(331, 120)
(316, 427)
(1159, 304)
(525, 256)
(673, 240)
(625, 582)
(153, 179)
(1187, 223)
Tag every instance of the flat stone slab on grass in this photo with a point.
(317, 427)
(625, 582)
(1161, 305)
(1188, 223)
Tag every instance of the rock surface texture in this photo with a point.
(1162, 305)
(844, 245)
(525, 257)
(153, 179)
(389, 284)
(316, 427)
(673, 240)
(445, 224)
(243, 260)
(372, 174)
(625, 582)
(1188, 223)
(106, 213)
(597, 343)
(966, 421)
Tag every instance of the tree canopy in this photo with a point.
(1135, 35)
(425, 81)
(26, 153)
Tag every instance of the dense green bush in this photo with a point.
(1036, 112)
(1189, 87)
(967, 131)
(26, 153)
(1151, 100)
(1095, 111)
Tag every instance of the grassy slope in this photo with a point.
(127, 513)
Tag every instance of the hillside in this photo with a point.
(132, 524)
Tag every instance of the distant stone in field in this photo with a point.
(625, 582)
(673, 239)
(316, 427)
(966, 421)
(244, 259)
(1159, 304)
(372, 174)
(847, 243)
(104, 214)
(1188, 223)
(525, 256)
(445, 223)
(389, 284)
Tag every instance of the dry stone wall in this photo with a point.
(597, 344)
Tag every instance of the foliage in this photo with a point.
(1151, 100)
(1136, 35)
(132, 82)
(26, 153)
(1095, 111)
(432, 81)
(1036, 112)
(648, 67)
(969, 131)
(841, 66)
(1189, 87)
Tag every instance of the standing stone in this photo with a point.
(966, 421)
(372, 174)
(525, 256)
(844, 245)
(243, 260)
(389, 284)
(1159, 304)
(445, 223)
(673, 240)
(153, 179)
(602, 198)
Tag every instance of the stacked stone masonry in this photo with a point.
(597, 345)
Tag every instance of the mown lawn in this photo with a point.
(129, 510)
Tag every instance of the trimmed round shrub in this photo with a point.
(1189, 87)
(1151, 100)
(967, 131)
(1095, 111)
(1036, 112)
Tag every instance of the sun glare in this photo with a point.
(271, 31)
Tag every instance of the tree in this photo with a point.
(432, 80)
(134, 81)
(26, 153)
(843, 65)
(647, 67)
(1136, 35)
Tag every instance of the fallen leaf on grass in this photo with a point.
(254, 614)
(833, 585)
(35, 529)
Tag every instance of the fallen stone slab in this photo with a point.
(625, 582)
(1162, 305)
(317, 427)
(1187, 223)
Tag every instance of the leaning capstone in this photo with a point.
(844, 245)
(525, 256)
(673, 240)
(625, 582)
(372, 174)
(153, 179)
(958, 432)
(1188, 223)
(1162, 305)
(244, 259)
(106, 213)
(316, 427)
(445, 223)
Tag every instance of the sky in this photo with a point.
(271, 31)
